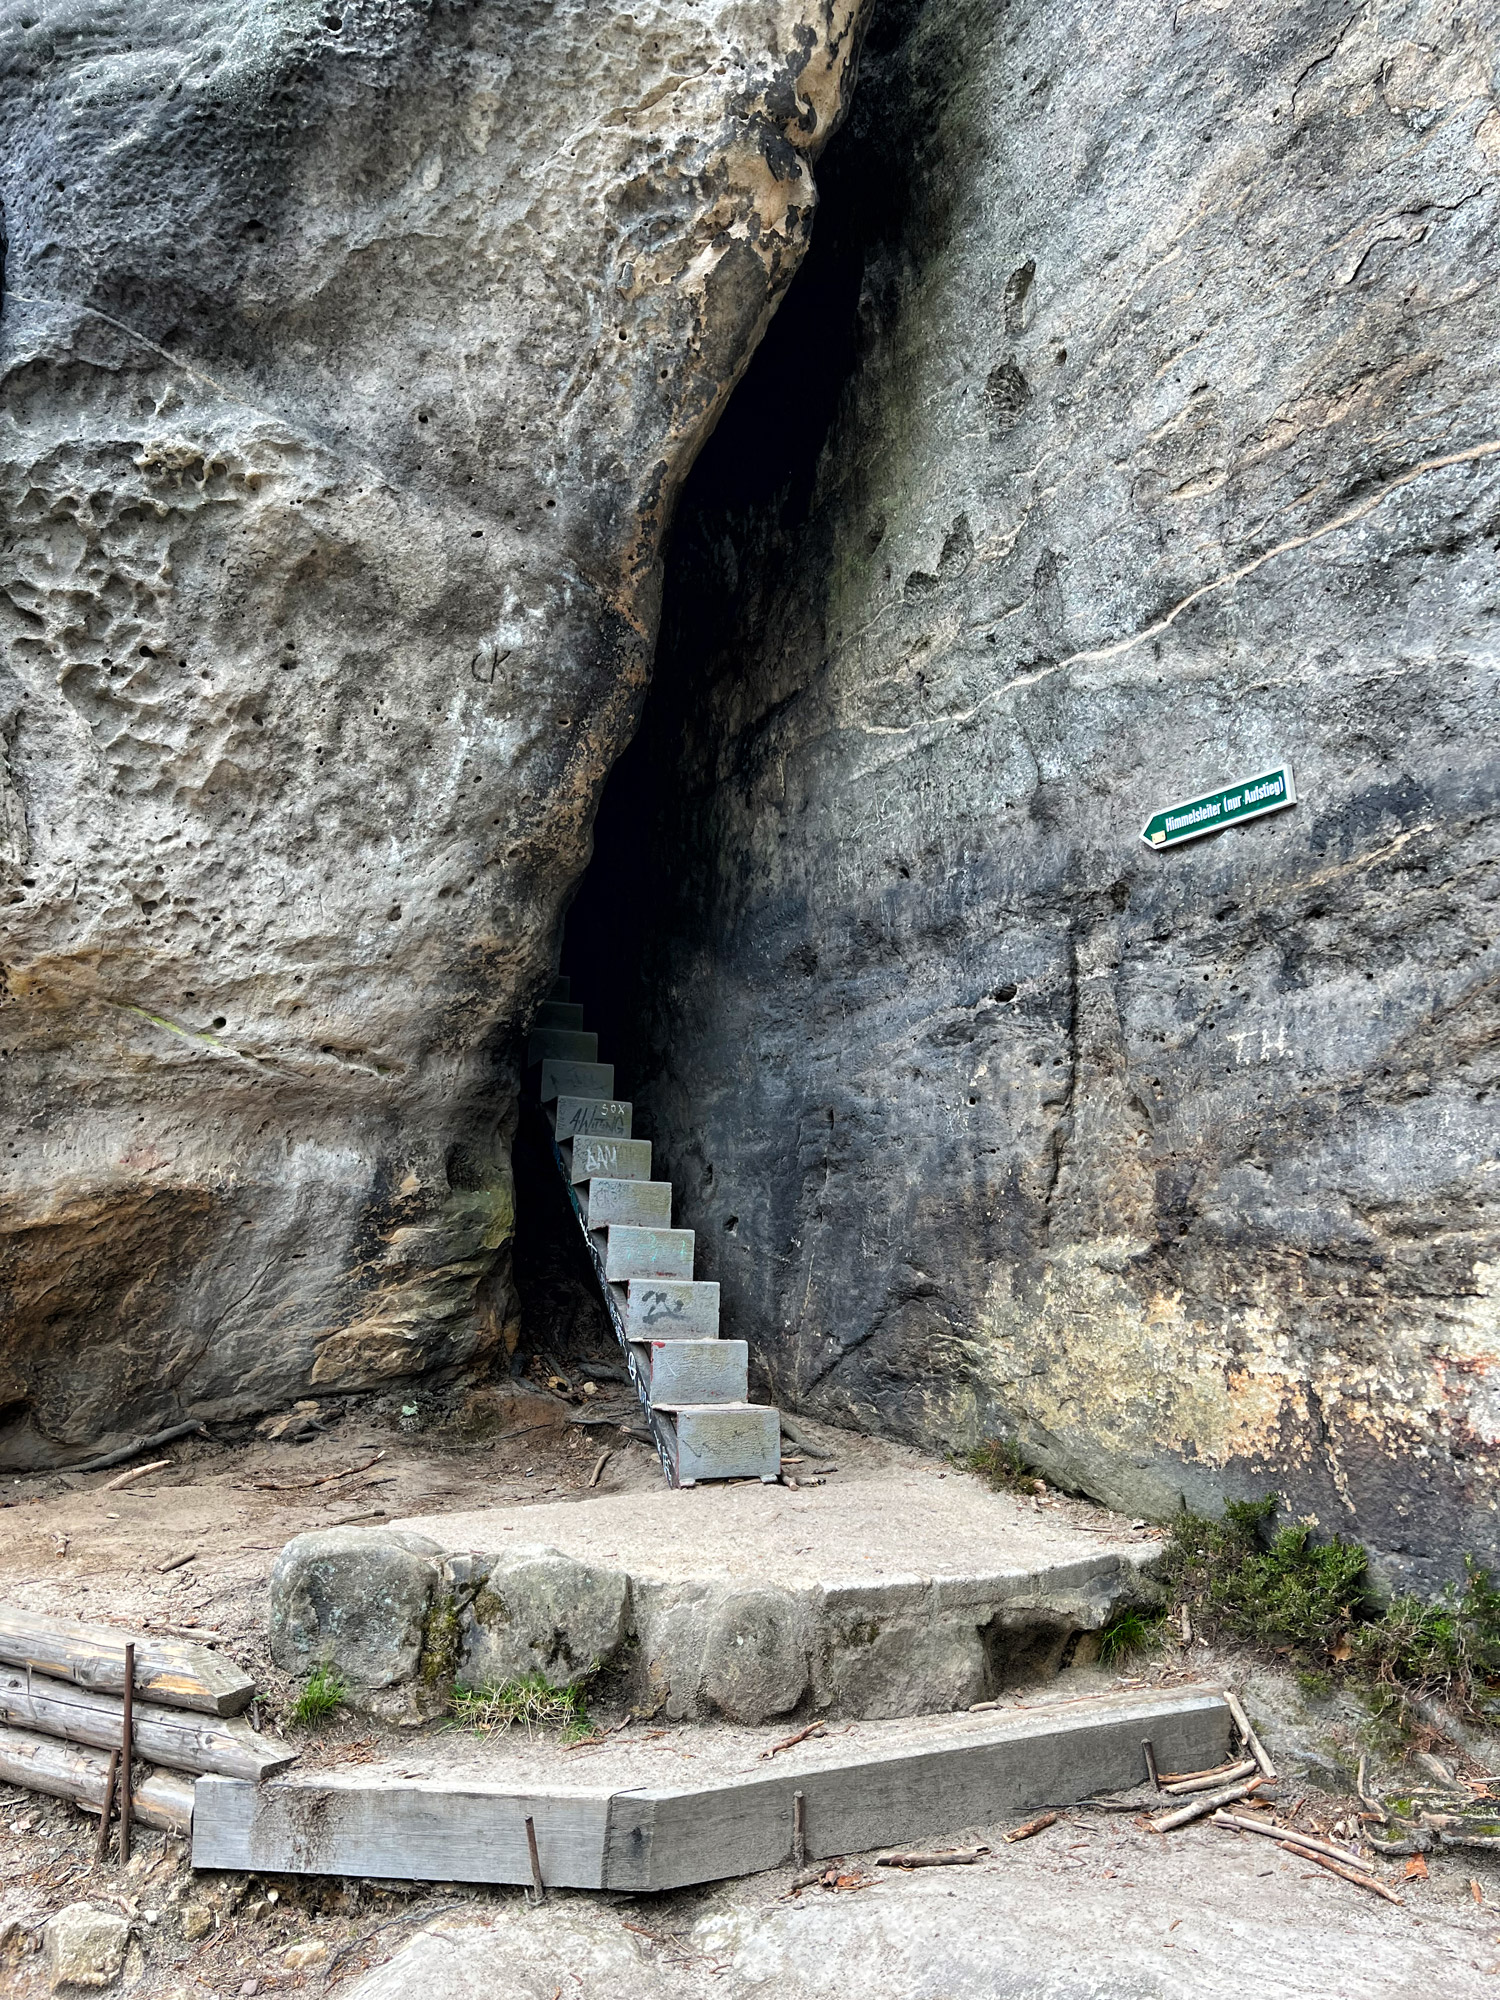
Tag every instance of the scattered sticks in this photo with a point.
(176, 1562)
(328, 1478)
(1284, 1833)
(1251, 1740)
(599, 1464)
(799, 1831)
(1203, 1805)
(136, 1472)
(126, 1452)
(790, 1742)
(962, 1857)
(1360, 1881)
(1032, 1826)
(1151, 1771)
(1210, 1779)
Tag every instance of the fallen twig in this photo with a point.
(328, 1478)
(136, 1472)
(176, 1562)
(1207, 1782)
(1360, 1881)
(1252, 1742)
(1151, 1771)
(789, 1742)
(1205, 1803)
(961, 1857)
(599, 1464)
(1274, 1832)
(109, 1459)
(1037, 1825)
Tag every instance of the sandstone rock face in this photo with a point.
(352, 358)
(1158, 437)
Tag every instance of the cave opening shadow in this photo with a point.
(745, 518)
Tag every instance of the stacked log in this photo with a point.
(62, 1712)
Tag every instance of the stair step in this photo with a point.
(648, 1203)
(576, 1079)
(597, 1116)
(726, 1441)
(572, 1044)
(610, 1159)
(632, 1252)
(669, 1308)
(558, 1014)
(561, 988)
(689, 1373)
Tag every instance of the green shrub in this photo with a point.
(322, 1693)
(1312, 1599)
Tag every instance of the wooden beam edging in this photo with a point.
(169, 1671)
(647, 1839)
(179, 1738)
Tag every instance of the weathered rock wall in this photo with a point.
(353, 355)
(1142, 399)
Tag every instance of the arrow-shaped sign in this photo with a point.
(1267, 792)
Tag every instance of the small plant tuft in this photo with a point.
(1001, 1462)
(322, 1693)
(1131, 1632)
(531, 1700)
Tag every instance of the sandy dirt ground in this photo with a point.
(1093, 1905)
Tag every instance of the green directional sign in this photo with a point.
(1267, 792)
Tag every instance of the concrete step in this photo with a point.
(561, 988)
(669, 1309)
(596, 1116)
(609, 1159)
(457, 1811)
(686, 1373)
(892, 1588)
(632, 1252)
(558, 1014)
(572, 1044)
(561, 1078)
(648, 1203)
(726, 1441)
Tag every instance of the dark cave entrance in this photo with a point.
(747, 512)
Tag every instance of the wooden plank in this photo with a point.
(576, 1116)
(667, 1839)
(726, 1441)
(698, 1371)
(669, 1308)
(69, 1771)
(417, 1830)
(174, 1737)
(169, 1671)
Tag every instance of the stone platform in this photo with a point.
(896, 1591)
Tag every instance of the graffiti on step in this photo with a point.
(658, 1306)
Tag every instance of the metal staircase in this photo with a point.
(692, 1384)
